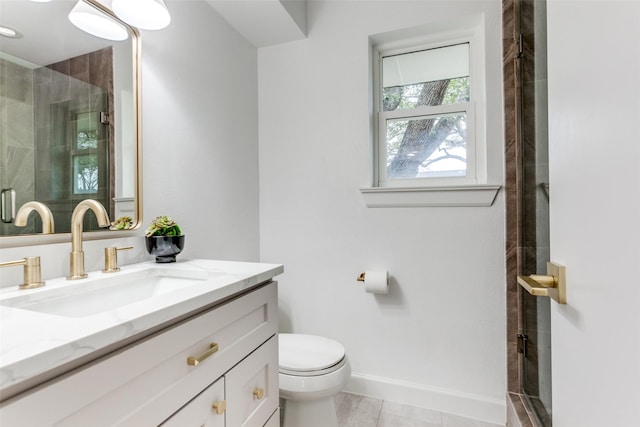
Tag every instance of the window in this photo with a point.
(429, 115)
(425, 107)
(86, 170)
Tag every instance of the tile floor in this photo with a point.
(360, 411)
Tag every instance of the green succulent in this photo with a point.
(163, 226)
(122, 223)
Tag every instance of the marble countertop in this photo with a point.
(34, 342)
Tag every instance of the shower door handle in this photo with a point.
(553, 284)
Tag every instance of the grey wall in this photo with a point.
(17, 147)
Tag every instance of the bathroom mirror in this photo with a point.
(69, 119)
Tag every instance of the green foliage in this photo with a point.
(122, 223)
(408, 97)
(457, 91)
(163, 226)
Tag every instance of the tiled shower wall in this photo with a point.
(520, 247)
(17, 147)
(76, 84)
(28, 98)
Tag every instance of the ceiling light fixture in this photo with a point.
(9, 32)
(95, 22)
(144, 14)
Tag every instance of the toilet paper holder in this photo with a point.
(375, 281)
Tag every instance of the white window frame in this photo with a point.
(474, 109)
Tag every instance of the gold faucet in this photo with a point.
(31, 276)
(77, 255)
(42, 209)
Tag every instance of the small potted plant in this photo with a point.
(122, 223)
(164, 239)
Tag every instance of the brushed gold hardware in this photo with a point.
(258, 393)
(220, 407)
(195, 361)
(111, 258)
(31, 277)
(553, 284)
(44, 212)
(361, 277)
(76, 261)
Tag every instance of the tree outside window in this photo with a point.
(425, 113)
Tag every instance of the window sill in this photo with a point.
(409, 197)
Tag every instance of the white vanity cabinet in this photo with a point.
(247, 395)
(206, 410)
(227, 355)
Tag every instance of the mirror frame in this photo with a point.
(45, 239)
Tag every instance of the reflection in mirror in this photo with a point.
(68, 117)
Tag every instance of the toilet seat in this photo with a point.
(309, 355)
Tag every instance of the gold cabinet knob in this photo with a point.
(220, 407)
(258, 393)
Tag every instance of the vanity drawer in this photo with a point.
(148, 381)
(252, 389)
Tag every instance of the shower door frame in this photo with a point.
(520, 411)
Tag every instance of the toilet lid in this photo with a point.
(308, 353)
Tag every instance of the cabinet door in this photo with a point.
(274, 421)
(206, 410)
(252, 387)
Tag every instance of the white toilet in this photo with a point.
(312, 370)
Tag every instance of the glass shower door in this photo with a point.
(535, 325)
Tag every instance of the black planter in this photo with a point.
(165, 248)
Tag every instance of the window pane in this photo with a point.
(86, 131)
(85, 173)
(427, 146)
(429, 77)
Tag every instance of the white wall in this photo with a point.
(200, 145)
(201, 133)
(438, 339)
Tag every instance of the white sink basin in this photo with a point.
(86, 298)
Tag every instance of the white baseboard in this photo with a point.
(438, 399)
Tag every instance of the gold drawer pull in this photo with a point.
(220, 407)
(194, 361)
(258, 393)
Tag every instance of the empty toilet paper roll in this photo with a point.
(375, 282)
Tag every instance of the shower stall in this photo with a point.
(534, 326)
(527, 211)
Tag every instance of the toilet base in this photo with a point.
(314, 413)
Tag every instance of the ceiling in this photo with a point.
(47, 36)
(265, 22)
